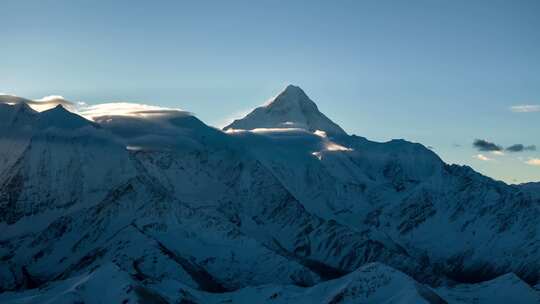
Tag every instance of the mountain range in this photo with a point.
(281, 206)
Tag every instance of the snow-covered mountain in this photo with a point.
(292, 108)
(283, 207)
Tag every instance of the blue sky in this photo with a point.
(442, 73)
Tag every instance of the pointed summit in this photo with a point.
(59, 117)
(17, 114)
(293, 96)
(24, 115)
(293, 91)
(292, 108)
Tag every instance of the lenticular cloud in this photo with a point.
(124, 109)
(93, 112)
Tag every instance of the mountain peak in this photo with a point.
(291, 108)
(17, 114)
(59, 108)
(60, 117)
(22, 108)
(292, 89)
(293, 96)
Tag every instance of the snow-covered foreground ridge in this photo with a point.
(151, 205)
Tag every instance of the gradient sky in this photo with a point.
(442, 73)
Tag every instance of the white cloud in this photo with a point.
(498, 153)
(482, 157)
(92, 112)
(51, 98)
(41, 104)
(320, 133)
(525, 108)
(123, 109)
(267, 130)
(332, 146)
(329, 146)
(51, 101)
(533, 162)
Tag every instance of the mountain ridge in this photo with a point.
(181, 210)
